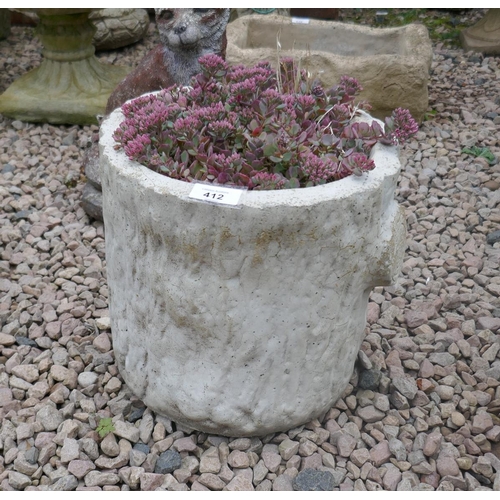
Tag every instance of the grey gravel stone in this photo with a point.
(18, 481)
(79, 468)
(70, 450)
(406, 386)
(398, 449)
(31, 455)
(493, 237)
(126, 431)
(442, 358)
(369, 379)
(313, 480)
(142, 447)
(25, 341)
(66, 483)
(49, 417)
(87, 378)
(167, 462)
(283, 483)
(92, 202)
(288, 448)
(137, 458)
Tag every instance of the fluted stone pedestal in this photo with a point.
(484, 36)
(71, 85)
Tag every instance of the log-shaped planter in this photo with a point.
(245, 321)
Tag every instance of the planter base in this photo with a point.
(70, 92)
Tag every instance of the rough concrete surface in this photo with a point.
(392, 64)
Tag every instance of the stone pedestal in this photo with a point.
(71, 85)
(484, 36)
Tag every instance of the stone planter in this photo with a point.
(484, 36)
(243, 321)
(392, 64)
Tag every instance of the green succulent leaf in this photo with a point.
(270, 149)
(480, 152)
(105, 426)
(275, 159)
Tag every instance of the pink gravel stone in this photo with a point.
(447, 466)
(432, 444)
(185, 444)
(426, 369)
(314, 461)
(391, 479)
(6, 339)
(360, 456)
(482, 423)
(372, 313)
(271, 460)
(79, 468)
(102, 342)
(240, 483)
(432, 479)
(5, 396)
(380, 453)
(494, 434)
(151, 481)
(488, 323)
(370, 414)
(415, 318)
(239, 460)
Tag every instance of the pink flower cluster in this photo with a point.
(404, 126)
(355, 163)
(255, 127)
(267, 180)
(319, 170)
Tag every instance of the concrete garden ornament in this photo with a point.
(392, 64)
(244, 316)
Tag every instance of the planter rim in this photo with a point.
(386, 160)
(289, 20)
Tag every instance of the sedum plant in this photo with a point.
(256, 127)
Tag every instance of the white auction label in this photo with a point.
(300, 20)
(216, 194)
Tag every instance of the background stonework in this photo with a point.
(421, 411)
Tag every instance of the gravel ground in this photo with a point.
(422, 409)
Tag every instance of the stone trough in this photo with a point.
(392, 64)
